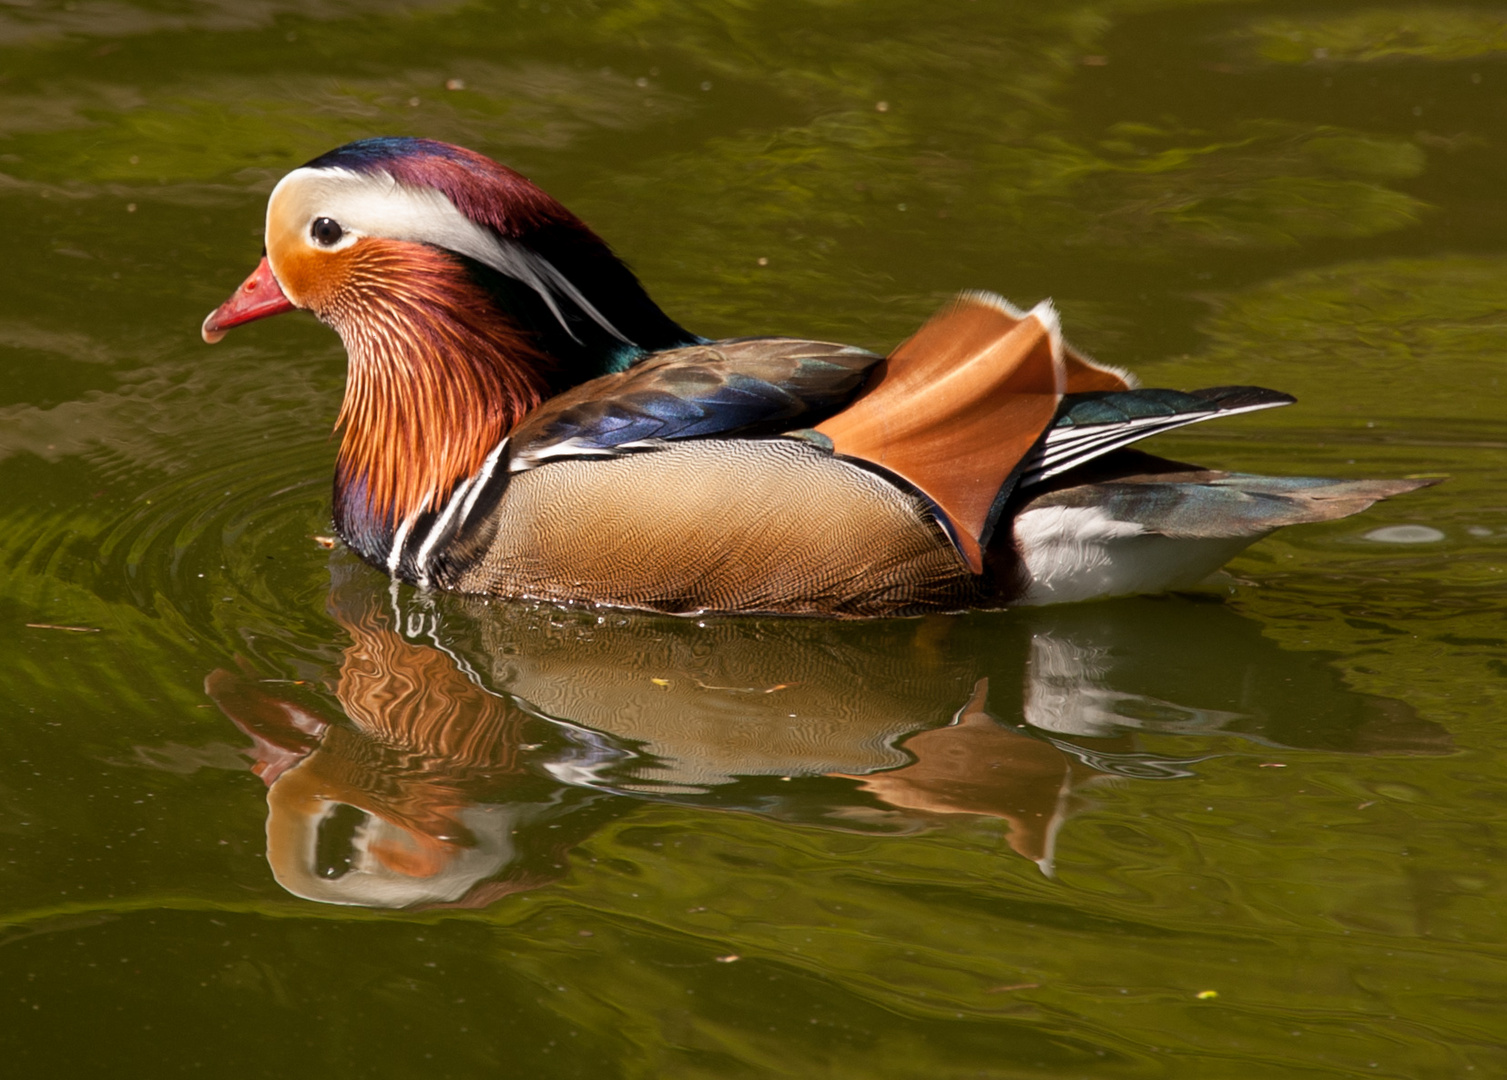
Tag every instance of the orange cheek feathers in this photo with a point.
(312, 279)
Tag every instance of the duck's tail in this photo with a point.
(985, 400)
(1151, 525)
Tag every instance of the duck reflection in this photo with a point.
(480, 742)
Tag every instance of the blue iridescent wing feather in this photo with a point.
(748, 386)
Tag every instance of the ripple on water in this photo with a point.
(211, 549)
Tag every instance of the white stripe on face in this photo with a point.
(377, 205)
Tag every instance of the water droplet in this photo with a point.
(1405, 534)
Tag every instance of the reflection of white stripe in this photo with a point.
(377, 205)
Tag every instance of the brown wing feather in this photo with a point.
(956, 407)
(1085, 375)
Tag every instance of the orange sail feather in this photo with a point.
(956, 407)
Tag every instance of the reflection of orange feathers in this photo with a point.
(956, 407)
(426, 735)
(413, 698)
(975, 765)
(412, 854)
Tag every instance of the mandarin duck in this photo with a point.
(521, 419)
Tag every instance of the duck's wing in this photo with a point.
(1093, 424)
(745, 386)
(987, 398)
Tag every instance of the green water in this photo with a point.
(1255, 830)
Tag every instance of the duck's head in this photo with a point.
(345, 227)
(464, 295)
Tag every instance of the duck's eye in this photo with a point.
(326, 230)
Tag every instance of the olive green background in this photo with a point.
(1304, 196)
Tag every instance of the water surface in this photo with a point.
(263, 814)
